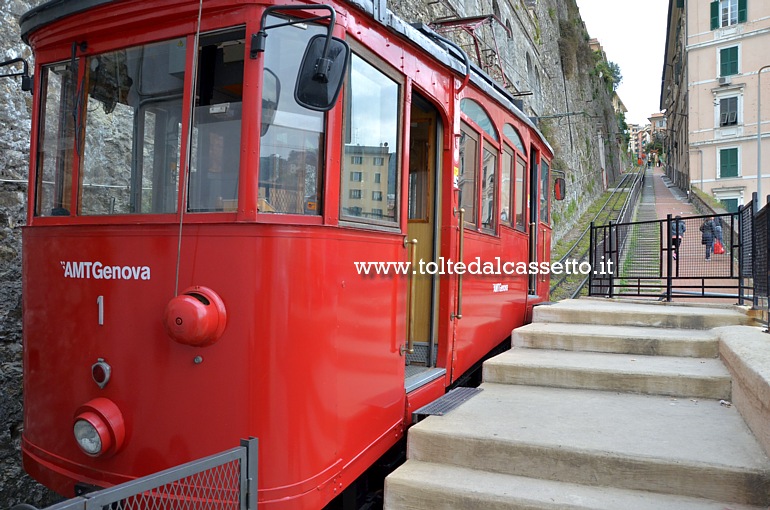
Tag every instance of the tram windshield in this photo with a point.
(119, 117)
(112, 139)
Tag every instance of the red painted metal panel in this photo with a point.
(309, 360)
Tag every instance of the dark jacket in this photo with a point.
(678, 228)
(707, 232)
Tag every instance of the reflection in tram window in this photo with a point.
(371, 132)
(488, 190)
(291, 148)
(469, 149)
(216, 140)
(125, 132)
(545, 191)
(56, 142)
(133, 126)
(520, 192)
(506, 199)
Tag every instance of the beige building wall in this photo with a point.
(722, 110)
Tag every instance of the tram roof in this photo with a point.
(419, 34)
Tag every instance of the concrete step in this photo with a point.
(673, 446)
(618, 339)
(419, 485)
(652, 375)
(611, 312)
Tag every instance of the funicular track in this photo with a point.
(618, 206)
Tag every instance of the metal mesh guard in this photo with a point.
(446, 403)
(216, 488)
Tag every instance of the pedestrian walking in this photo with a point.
(678, 229)
(708, 236)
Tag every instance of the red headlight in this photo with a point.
(99, 428)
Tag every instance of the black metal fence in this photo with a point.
(631, 188)
(713, 256)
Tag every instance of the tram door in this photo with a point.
(423, 225)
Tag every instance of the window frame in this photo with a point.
(514, 143)
(494, 181)
(487, 135)
(741, 16)
(467, 129)
(720, 156)
(723, 117)
(735, 64)
(374, 223)
(545, 191)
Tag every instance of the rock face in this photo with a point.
(15, 105)
(541, 48)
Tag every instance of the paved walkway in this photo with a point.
(669, 200)
(662, 197)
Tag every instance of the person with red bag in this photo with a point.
(718, 246)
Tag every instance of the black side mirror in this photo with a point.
(559, 188)
(271, 93)
(322, 72)
(27, 81)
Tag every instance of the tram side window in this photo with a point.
(371, 145)
(469, 150)
(545, 191)
(292, 137)
(131, 142)
(518, 197)
(56, 142)
(506, 198)
(520, 193)
(216, 140)
(488, 189)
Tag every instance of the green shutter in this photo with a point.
(728, 163)
(714, 14)
(680, 4)
(730, 204)
(742, 11)
(728, 61)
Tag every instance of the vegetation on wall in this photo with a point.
(608, 72)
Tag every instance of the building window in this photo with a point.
(377, 196)
(377, 213)
(728, 163)
(377, 178)
(730, 204)
(355, 194)
(725, 13)
(379, 161)
(728, 111)
(357, 160)
(356, 176)
(728, 61)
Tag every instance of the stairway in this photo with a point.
(602, 405)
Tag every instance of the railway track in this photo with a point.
(616, 204)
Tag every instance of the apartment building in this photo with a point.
(714, 52)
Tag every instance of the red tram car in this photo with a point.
(202, 198)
